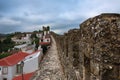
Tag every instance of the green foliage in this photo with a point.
(40, 31)
(6, 44)
(37, 43)
(4, 55)
(35, 31)
(10, 35)
(7, 40)
(17, 33)
(33, 36)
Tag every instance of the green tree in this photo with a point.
(7, 40)
(33, 36)
(35, 31)
(40, 31)
(10, 35)
(6, 44)
(37, 43)
(0, 46)
(4, 55)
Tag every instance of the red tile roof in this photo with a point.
(44, 43)
(26, 76)
(13, 59)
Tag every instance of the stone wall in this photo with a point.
(93, 51)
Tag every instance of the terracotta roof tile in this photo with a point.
(44, 43)
(26, 76)
(13, 59)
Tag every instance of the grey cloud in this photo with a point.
(62, 15)
(9, 29)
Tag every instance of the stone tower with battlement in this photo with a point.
(46, 30)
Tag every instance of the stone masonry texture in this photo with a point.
(93, 51)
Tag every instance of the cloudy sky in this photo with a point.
(61, 15)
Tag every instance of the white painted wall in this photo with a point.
(46, 40)
(48, 32)
(26, 48)
(39, 48)
(22, 40)
(11, 73)
(31, 63)
(28, 35)
(39, 35)
(30, 66)
(44, 33)
(29, 51)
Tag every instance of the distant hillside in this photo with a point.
(3, 35)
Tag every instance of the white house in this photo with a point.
(29, 48)
(28, 35)
(22, 38)
(25, 37)
(31, 62)
(46, 39)
(10, 67)
(39, 35)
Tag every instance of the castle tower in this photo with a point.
(46, 30)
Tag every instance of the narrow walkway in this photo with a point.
(50, 67)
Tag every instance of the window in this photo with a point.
(4, 78)
(5, 70)
(41, 40)
(0, 71)
(47, 40)
(18, 69)
(30, 57)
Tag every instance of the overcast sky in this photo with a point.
(60, 15)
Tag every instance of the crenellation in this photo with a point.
(92, 51)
